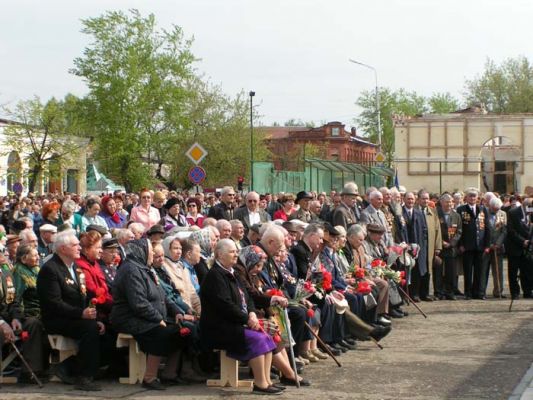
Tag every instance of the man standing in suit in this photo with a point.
(345, 214)
(473, 243)
(224, 209)
(63, 298)
(497, 223)
(451, 228)
(518, 241)
(374, 215)
(434, 237)
(251, 214)
(417, 232)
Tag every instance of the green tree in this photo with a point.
(220, 123)
(442, 103)
(392, 103)
(137, 78)
(505, 88)
(299, 122)
(43, 135)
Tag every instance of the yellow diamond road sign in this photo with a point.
(196, 153)
(380, 157)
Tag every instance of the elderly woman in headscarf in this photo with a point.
(142, 310)
(174, 266)
(249, 265)
(173, 217)
(109, 213)
(207, 239)
(229, 321)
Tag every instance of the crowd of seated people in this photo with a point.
(276, 282)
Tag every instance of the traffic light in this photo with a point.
(240, 181)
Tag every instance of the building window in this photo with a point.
(335, 131)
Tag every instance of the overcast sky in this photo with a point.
(292, 53)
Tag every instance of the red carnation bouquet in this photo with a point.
(99, 299)
(363, 287)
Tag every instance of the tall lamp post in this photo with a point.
(377, 97)
(252, 94)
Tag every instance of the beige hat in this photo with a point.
(350, 189)
(48, 228)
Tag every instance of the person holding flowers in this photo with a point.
(65, 311)
(229, 321)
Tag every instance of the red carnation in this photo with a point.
(24, 336)
(326, 280)
(359, 273)
(403, 282)
(375, 263)
(185, 332)
(363, 287)
(276, 338)
(274, 292)
(310, 313)
(402, 274)
(94, 302)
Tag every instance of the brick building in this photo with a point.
(331, 141)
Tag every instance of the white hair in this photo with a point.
(136, 227)
(495, 203)
(372, 195)
(64, 238)
(224, 245)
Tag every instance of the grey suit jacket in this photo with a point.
(372, 216)
(242, 215)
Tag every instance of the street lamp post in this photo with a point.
(377, 97)
(252, 94)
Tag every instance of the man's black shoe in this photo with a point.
(395, 314)
(379, 332)
(334, 351)
(61, 371)
(347, 345)
(427, 298)
(350, 341)
(515, 297)
(457, 292)
(339, 347)
(87, 385)
(468, 298)
(416, 299)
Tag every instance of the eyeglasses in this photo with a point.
(252, 201)
(191, 205)
(146, 197)
(230, 194)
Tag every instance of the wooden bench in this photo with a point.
(229, 375)
(65, 346)
(4, 362)
(137, 359)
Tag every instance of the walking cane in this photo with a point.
(26, 365)
(511, 305)
(322, 344)
(291, 350)
(411, 300)
(497, 268)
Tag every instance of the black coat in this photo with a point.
(303, 256)
(221, 211)
(139, 302)
(60, 296)
(475, 235)
(222, 321)
(517, 232)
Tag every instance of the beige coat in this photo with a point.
(181, 279)
(434, 234)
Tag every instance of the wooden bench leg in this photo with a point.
(137, 364)
(229, 375)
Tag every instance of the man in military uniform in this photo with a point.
(345, 214)
(473, 243)
(451, 229)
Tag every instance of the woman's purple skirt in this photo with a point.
(257, 343)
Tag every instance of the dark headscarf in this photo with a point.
(250, 256)
(137, 252)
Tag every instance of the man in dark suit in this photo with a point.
(473, 243)
(62, 294)
(417, 233)
(251, 214)
(224, 209)
(518, 241)
(307, 249)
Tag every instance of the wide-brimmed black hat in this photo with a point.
(303, 195)
(155, 230)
